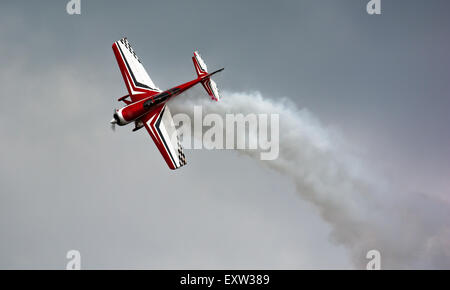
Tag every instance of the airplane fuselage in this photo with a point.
(145, 104)
(134, 111)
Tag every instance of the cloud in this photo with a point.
(365, 212)
(68, 182)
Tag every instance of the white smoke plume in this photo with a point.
(410, 230)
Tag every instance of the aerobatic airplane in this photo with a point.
(146, 106)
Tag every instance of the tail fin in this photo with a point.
(200, 65)
(202, 72)
(211, 88)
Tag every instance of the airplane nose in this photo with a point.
(116, 118)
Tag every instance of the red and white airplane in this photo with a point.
(146, 106)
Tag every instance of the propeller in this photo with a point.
(113, 122)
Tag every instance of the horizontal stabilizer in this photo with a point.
(200, 66)
(211, 88)
(202, 72)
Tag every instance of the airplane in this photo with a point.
(145, 104)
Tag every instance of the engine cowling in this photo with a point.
(119, 119)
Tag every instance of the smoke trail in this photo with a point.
(364, 212)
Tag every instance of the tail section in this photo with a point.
(202, 73)
(211, 88)
(200, 65)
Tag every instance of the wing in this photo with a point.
(160, 126)
(133, 72)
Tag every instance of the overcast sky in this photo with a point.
(68, 182)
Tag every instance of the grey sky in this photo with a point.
(67, 182)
